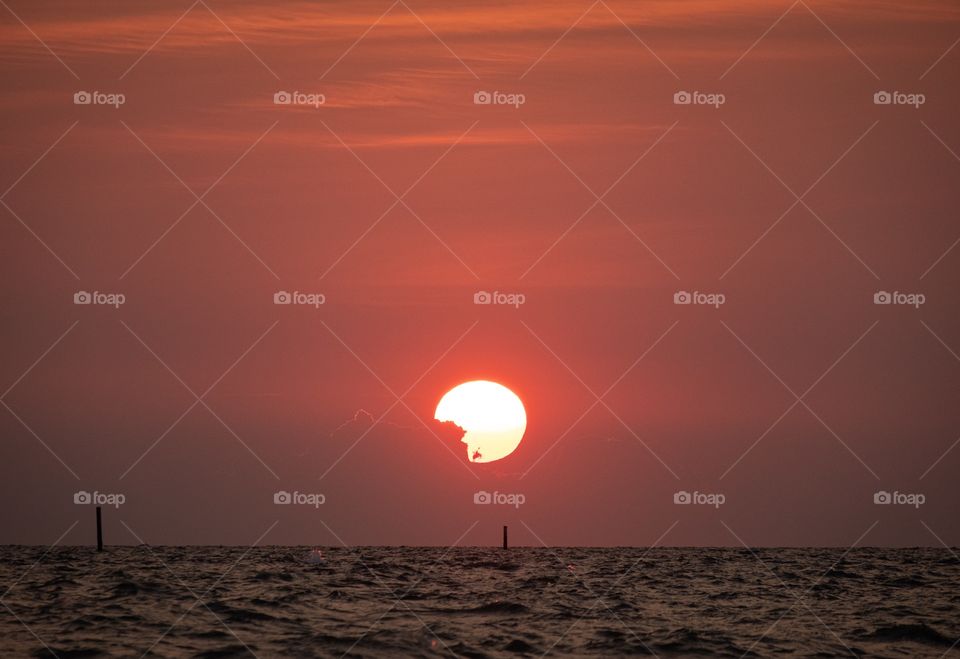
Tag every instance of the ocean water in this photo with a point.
(478, 602)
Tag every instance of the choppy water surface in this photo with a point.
(477, 602)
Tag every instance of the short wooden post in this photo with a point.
(99, 531)
(504, 536)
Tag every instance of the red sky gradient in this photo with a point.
(300, 200)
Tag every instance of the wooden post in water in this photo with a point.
(99, 531)
(504, 536)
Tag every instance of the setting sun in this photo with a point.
(492, 417)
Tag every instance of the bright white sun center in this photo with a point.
(491, 415)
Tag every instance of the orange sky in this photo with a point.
(693, 198)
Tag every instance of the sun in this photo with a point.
(491, 415)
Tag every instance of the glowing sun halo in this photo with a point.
(491, 415)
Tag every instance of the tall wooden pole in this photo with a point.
(99, 531)
(504, 536)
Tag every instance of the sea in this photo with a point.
(478, 602)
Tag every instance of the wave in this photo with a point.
(912, 632)
(406, 601)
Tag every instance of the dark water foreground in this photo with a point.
(478, 602)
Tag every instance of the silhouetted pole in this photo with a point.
(99, 531)
(504, 536)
